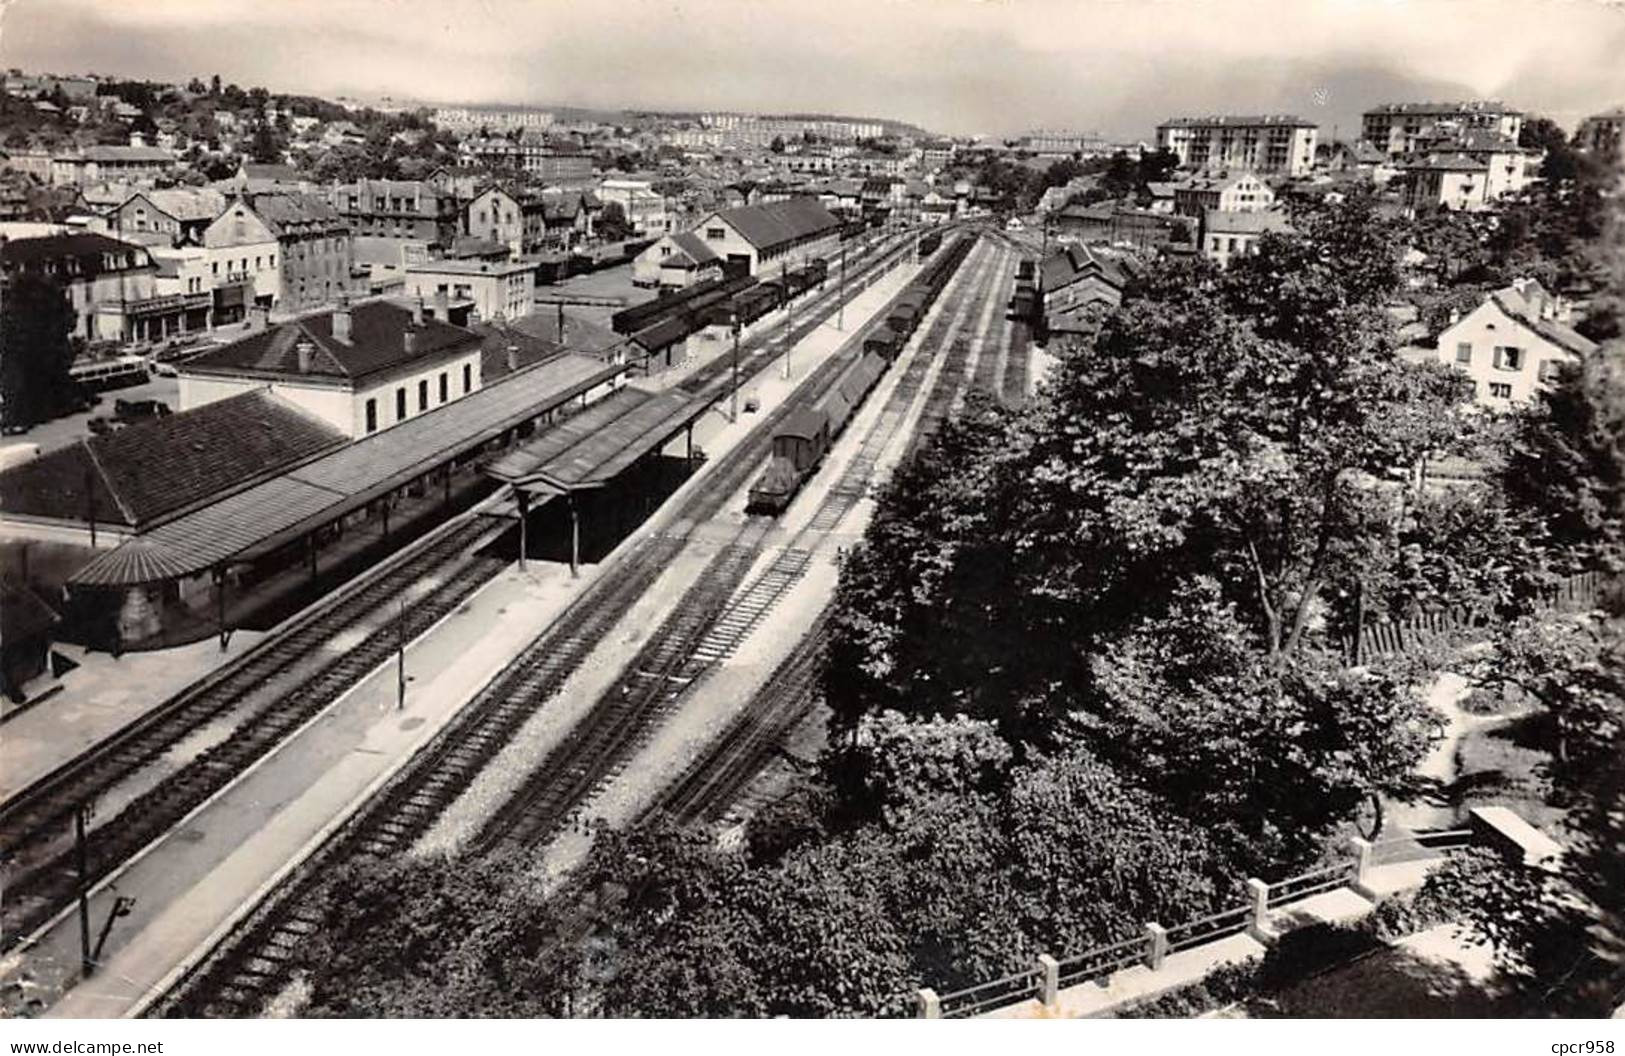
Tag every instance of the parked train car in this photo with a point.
(805, 436)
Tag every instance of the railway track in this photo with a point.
(254, 963)
(711, 785)
(35, 826)
(706, 626)
(263, 696)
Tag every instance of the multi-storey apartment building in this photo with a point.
(1276, 144)
(1403, 128)
(1603, 135)
(466, 118)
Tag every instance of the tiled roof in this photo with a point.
(144, 473)
(1526, 304)
(1072, 263)
(694, 246)
(377, 343)
(590, 448)
(284, 212)
(776, 223)
(276, 510)
(124, 154)
(580, 335)
(27, 251)
(498, 337)
(188, 203)
(260, 171)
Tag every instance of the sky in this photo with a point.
(994, 67)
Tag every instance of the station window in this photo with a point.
(372, 416)
(443, 387)
(1464, 352)
(423, 395)
(400, 403)
(468, 379)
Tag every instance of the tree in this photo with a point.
(612, 225)
(35, 323)
(777, 146)
(1158, 166)
(1567, 464)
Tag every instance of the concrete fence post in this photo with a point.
(1258, 918)
(1049, 980)
(1156, 945)
(930, 1005)
(1362, 864)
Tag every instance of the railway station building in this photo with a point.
(269, 484)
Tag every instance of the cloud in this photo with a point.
(958, 65)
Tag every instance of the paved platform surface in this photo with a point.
(549, 726)
(195, 879)
(99, 697)
(198, 878)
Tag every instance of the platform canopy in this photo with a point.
(592, 448)
(251, 522)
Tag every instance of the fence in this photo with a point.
(1426, 629)
(1045, 979)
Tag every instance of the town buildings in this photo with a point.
(293, 250)
(1228, 235)
(1469, 172)
(1241, 193)
(357, 369)
(676, 261)
(1398, 129)
(468, 119)
(1274, 144)
(1512, 345)
(77, 168)
(1603, 135)
(644, 208)
(110, 285)
(763, 239)
(496, 290)
(1081, 285)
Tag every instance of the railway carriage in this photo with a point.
(808, 431)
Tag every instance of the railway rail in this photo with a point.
(711, 785)
(255, 962)
(706, 625)
(264, 696)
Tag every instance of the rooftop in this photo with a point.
(1240, 120)
(378, 342)
(278, 509)
(146, 473)
(1476, 106)
(469, 267)
(591, 448)
(772, 224)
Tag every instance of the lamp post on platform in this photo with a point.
(733, 324)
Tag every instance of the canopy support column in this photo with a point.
(575, 539)
(524, 524)
(220, 606)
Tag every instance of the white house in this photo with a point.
(676, 261)
(360, 369)
(499, 291)
(1512, 344)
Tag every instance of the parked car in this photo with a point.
(136, 410)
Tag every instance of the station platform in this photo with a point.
(196, 881)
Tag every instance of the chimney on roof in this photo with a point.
(305, 349)
(259, 317)
(417, 311)
(442, 304)
(341, 320)
(513, 358)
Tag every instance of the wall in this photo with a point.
(1484, 328)
(505, 291)
(383, 391)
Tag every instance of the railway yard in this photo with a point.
(453, 700)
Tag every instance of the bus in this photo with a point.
(107, 374)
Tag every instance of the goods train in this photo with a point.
(805, 435)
